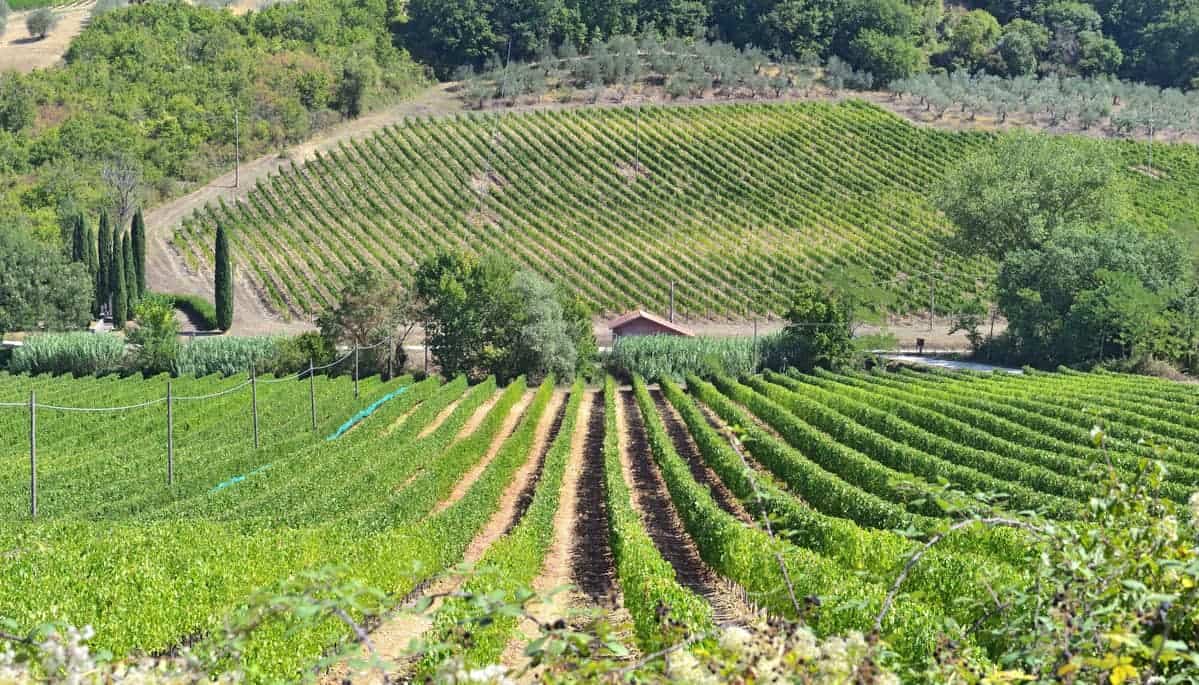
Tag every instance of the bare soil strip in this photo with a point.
(440, 419)
(557, 566)
(652, 500)
(510, 423)
(685, 445)
(472, 424)
(394, 635)
(594, 568)
(525, 499)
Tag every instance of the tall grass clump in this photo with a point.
(81, 354)
(226, 356)
(655, 357)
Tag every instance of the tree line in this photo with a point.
(1154, 41)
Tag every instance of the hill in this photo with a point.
(735, 204)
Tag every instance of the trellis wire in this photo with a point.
(169, 399)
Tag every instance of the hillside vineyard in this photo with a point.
(737, 204)
(841, 461)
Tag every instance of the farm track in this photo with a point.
(652, 500)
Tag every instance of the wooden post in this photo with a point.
(672, 302)
(254, 401)
(312, 391)
(170, 436)
(355, 370)
(391, 353)
(426, 332)
(32, 454)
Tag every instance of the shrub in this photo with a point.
(81, 354)
(156, 334)
(201, 311)
(227, 355)
(40, 22)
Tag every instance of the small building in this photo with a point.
(643, 323)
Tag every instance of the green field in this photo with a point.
(844, 460)
(736, 204)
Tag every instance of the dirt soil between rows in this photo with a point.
(652, 500)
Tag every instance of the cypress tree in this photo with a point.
(104, 263)
(79, 241)
(93, 258)
(130, 274)
(139, 252)
(120, 295)
(223, 286)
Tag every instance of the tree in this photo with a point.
(40, 289)
(138, 233)
(223, 281)
(130, 273)
(818, 332)
(1021, 47)
(371, 308)
(39, 22)
(79, 240)
(1169, 53)
(1017, 193)
(17, 106)
(122, 177)
(359, 75)
(799, 27)
(104, 270)
(971, 35)
(449, 33)
(888, 58)
(1098, 54)
(156, 334)
(119, 291)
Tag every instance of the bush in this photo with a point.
(81, 354)
(655, 357)
(156, 334)
(196, 308)
(40, 22)
(227, 355)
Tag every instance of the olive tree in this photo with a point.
(39, 22)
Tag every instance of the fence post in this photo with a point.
(170, 436)
(312, 391)
(32, 453)
(391, 353)
(254, 401)
(355, 370)
(672, 301)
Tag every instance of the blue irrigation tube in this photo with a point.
(237, 479)
(362, 415)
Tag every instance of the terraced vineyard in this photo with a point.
(617, 203)
(638, 495)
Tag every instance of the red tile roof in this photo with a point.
(626, 319)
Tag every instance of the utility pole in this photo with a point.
(312, 391)
(672, 302)
(236, 148)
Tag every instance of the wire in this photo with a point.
(197, 398)
(102, 409)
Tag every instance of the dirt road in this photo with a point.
(167, 272)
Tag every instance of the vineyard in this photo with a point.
(639, 496)
(620, 203)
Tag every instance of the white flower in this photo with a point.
(1195, 508)
(735, 638)
(683, 667)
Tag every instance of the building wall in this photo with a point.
(642, 327)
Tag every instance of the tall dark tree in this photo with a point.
(93, 255)
(119, 292)
(130, 274)
(138, 233)
(104, 263)
(223, 285)
(79, 241)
